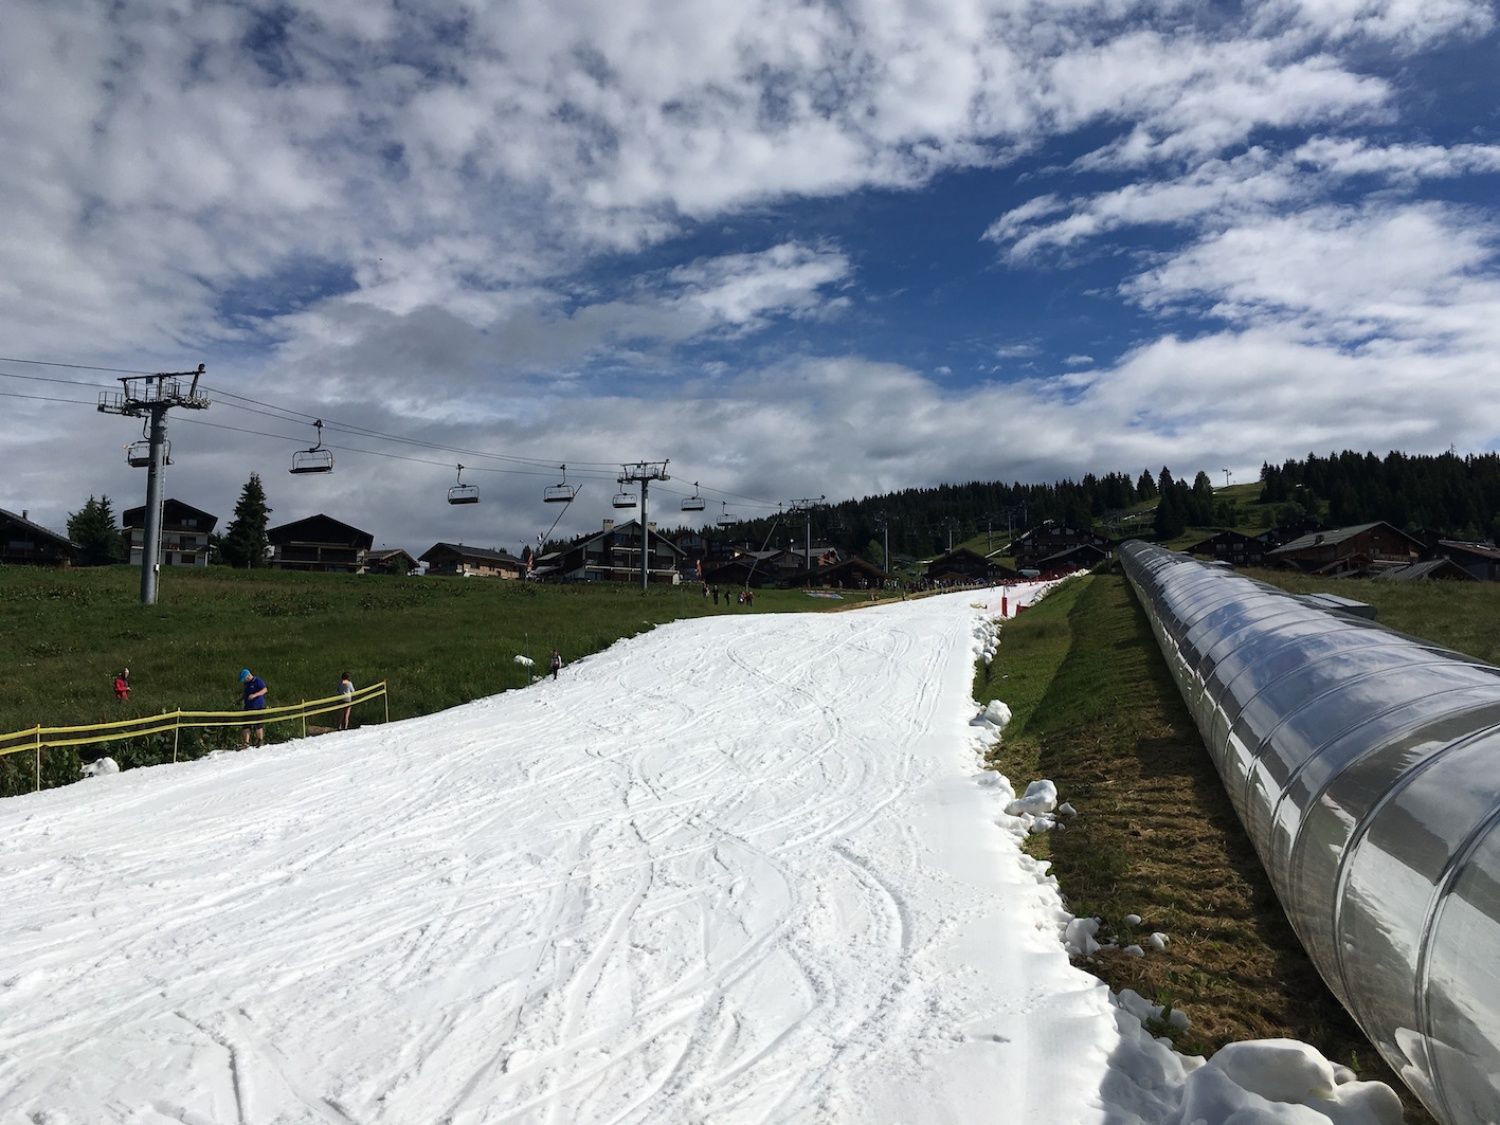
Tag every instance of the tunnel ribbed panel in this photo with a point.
(1365, 766)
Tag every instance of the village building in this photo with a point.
(319, 542)
(613, 554)
(961, 566)
(750, 568)
(390, 560)
(1048, 539)
(1081, 557)
(853, 573)
(1231, 547)
(185, 531)
(1365, 548)
(1480, 560)
(27, 543)
(472, 562)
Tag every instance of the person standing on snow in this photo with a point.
(555, 663)
(254, 690)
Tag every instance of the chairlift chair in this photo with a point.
(138, 454)
(561, 493)
(314, 460)
(693, 503)
(622, 498)
(462, 493)
(725, 519)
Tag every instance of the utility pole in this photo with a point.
(644, 472)
(150, 397)
(806, 506)
(1226, 478)
(885, 535)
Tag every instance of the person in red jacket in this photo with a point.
(122, 686)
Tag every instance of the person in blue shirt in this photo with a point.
(255, 700)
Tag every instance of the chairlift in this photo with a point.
(462, 493)
(693, 503)
(622, 498)
(561, 493)
(725, 519)
(138, 454)
(314, 460)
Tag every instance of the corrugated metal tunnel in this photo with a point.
(1365, 765)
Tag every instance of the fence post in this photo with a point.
(38, 758)
(385, 697)
(176, 730)
(304, 718)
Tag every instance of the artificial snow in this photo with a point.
(100, 768)
(1040, 798)
(736, 869)
(523, 661)
(1157, 940)
(1066, 809)
(996, 714)
(1132, 920)
(1281, 1080)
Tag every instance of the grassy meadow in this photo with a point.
(437, 641)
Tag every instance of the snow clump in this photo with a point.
(1278, 1080)
(101, 768)
(1040, 798)
(524, 661)
(1157, 941)
(996, 714)
(1132, 920)
(1080, 937)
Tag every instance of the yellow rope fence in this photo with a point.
(36, 739)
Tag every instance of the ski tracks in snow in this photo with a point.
(677, 884)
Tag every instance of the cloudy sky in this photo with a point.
(824, 247)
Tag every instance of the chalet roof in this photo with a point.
(386, 553)
(1336, 536)
(1480, 550)
(1432, 568)
(631, 526)
(482, 554)
(321, 525)
(172, 511)
(1229, 534)
(959, 553)
(1068, 553)
(45, 533)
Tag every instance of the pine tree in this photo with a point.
(244, 543)
(93, 528)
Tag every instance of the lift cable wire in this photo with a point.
(598, 469)
(45, 398)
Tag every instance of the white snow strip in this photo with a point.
(739, 869)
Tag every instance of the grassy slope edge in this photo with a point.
(1097, 712)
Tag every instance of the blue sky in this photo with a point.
(800, 249)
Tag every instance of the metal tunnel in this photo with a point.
(1365, 765)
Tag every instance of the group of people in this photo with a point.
(254, 692)
(746, 597)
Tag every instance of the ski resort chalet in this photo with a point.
(319, 543)
(184, 533)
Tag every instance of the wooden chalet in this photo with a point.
(613, 554)
(319, 542)
(847, 574)
(1365, 548)
(1231, 547)
(747, 568)
(1045, 540)
(961, 566)
(1081, 557)
(1479, 560)
(184, 533)
(31, 544)
(472, 562)
(390, 560)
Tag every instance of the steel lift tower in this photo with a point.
(150, 397)
(643, 472)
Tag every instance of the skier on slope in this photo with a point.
(555, 663)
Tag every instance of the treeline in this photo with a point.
(1459, 496)
(922, 521)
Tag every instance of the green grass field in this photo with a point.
(437, 641)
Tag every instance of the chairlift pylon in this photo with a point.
(462, 493)
(314, 460)
(693, 503)
(562, 492)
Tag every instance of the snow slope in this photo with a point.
(740, 869)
